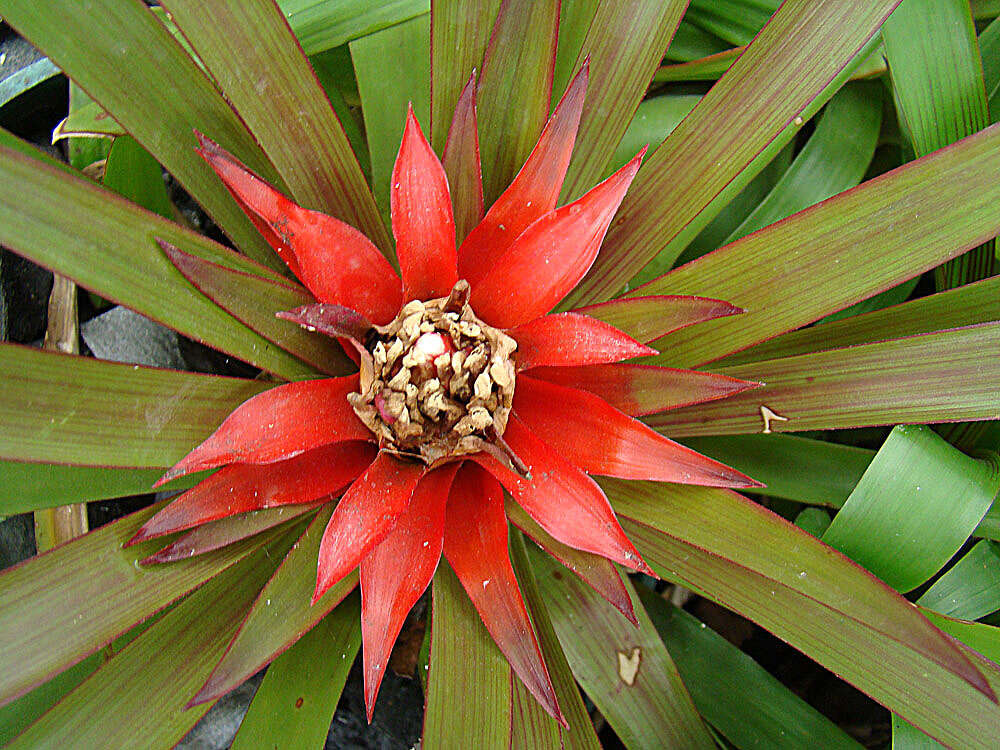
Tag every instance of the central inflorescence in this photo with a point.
(440, 382)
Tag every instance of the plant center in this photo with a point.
(439, 382)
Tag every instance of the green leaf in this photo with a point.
(755, 563)
(795, 468)
(834, 159)
(750, 706)
(335, 74)
(294, 705)
(460, 30)
(384, 98)
(934, 377)
(251, 54)
(254, 301)
(813, 521)
(126, 59)
(937, 79)
(736, 21)
(55, 409)
(322, 24)
(134, 174)
(626, 671)
(181, 647)
(625, 44)
(468, 698)
(874, 220)
(575, 20)
(25, 487)
(916, 505)
(654, 120)
(64, 605)
(67, 223)
(580, 735)
(85, 151)
(514, 89)
(691, 42)
(971, 588)
(281, 614)
(989, 47)
(755, 109)
(974, 303)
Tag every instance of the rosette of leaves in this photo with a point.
(779, 181)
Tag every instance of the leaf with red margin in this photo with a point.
(567, 339)
(534, 191)
(638, 390)
(335, 261)
(475, 543)
(365, 515)
(278, 424)
(225, 531)
(241, 488)
(461, 163)
(254, 301)
(550, 256)
(562, 499)
(599, 439)
(422, 220)
(754, 562)
(647, 318)
(397, 572)
(598, 572)
(280, 616)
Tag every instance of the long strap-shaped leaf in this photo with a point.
(936, 377)
(625, 43)
(625, 670)
(250, 51)
(180, 648)
(99, 240)
(784, 276)
(763, 567)
(67, 603)
(460, 30)
(122, 55)
(788, 65)
(57, 408)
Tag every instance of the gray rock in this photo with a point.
(121, 335)
(218, 727)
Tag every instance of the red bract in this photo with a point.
(460, 394)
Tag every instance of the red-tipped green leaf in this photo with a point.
(566, 339)
(759, 104)
(644, 389)
(514, 88)
(935, 377)
(366, 514)
(461, 163)
(534, 191)
(334, 260)
(475, 544)
(279, 617)
(602, 440)
(397, 572)
(598, 572)
(422, 219)
(278, 424)
(562, 499)
(252, 55)
(55, 409)
(551, 255)
(240, 488)
(648, 318)
(254, 300)
(225, 531)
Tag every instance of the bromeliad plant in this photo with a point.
(499, 358)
